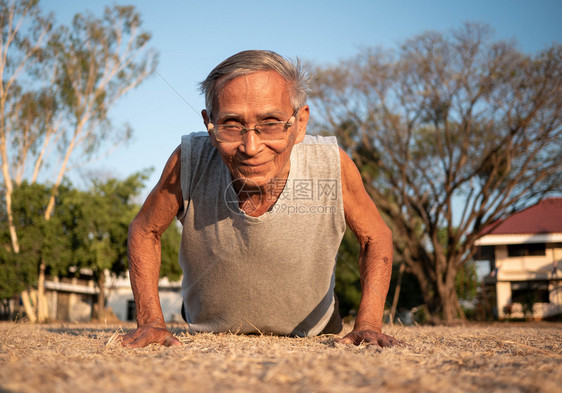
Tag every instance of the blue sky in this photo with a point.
(194, 36)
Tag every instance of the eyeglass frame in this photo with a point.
(289, 123)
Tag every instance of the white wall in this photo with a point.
(119, 293)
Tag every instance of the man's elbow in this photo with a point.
(386, 233)
(134, 229)
(140, 232)
(381, 235)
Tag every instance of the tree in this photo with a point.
(100, 219)
(445, 121)
(40, 239)
(89, 231)
(99, 60)
(169, 250)
(25, 33)
(348, 284)
(85, 70)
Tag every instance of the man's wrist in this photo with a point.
(362, 324)
(153, 325)
(150, 320)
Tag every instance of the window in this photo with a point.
(131, 310)
(485, 253)
(526, 250)
(526, 291)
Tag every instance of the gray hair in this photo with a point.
(250, 61)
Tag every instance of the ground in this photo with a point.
(471, 358)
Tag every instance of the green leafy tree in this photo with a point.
(101, 218)
(58, 86)
(40, 239)
(447, 120)
(170, 248)
(89, 231)
(348, 284)
(25, 33)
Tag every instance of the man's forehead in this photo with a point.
(257, 80)
(260, 88)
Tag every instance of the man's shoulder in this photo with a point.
(317, 156)
(196, 137)
(197, 143)
(313, 145)
(319, 140)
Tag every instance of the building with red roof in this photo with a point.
(525, 252)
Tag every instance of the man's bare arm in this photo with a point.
(375, 258)
(145, 231)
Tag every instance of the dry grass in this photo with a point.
(473, 358)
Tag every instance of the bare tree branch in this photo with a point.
(449, 118)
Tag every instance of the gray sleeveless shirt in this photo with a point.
(268, 274)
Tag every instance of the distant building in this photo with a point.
(72, 299)
(69, 299)
(525, 254)
(120, 298)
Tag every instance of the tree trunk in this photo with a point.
(8, 198)
(448, 303)
(397, 292)
(101, 297)
(62, 170)
(28, 306)
(440, 297)
(450, 306)
(42, 307)
(427, 288)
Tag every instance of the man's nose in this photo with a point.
(251, 142)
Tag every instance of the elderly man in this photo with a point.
(263, 208)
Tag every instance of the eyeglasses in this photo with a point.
(267, 130)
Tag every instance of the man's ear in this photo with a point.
(302, 121)
(207, 122)
(206, 119)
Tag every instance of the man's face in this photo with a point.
(247, 100)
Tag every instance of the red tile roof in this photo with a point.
(544, 217)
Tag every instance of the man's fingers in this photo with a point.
(369, 337)
(382, 341)
(127, 338)
(131, 342)
(392, 341)
(344, 340)
(142, 337)
(348, 339)
(139, 342)
(171, 341)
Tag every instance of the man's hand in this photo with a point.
(369, 337)
(147, 334)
